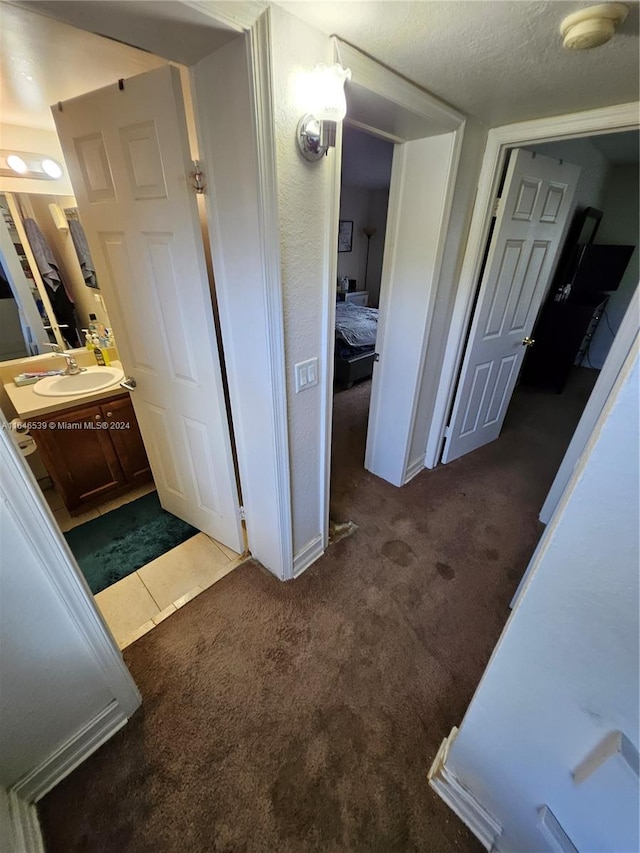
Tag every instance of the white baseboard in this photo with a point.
(67, 757)
(460, 800)
(308, 555)
(414, 469)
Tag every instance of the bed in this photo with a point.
(356, 328)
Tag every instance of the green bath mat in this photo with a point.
(114, 545)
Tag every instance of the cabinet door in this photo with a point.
(127, 440)
(79, 455)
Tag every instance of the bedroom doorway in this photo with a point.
(364, 202)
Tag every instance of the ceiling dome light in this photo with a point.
(592, 26)
(17, 164)
(51, 168)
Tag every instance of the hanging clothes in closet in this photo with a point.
(60, 294)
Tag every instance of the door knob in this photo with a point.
(528, 342)
(129, 383)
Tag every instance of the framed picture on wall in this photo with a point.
(345, 235)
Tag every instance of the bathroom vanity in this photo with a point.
(93, 452)
(90, 443)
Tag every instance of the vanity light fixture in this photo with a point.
(52, 169)
(17, 164)
(26, 164)
(592, 26)
(326, 105)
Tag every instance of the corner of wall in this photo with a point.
(295, 48)
(459, 799)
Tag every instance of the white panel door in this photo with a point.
(128, 156)
(531, 222)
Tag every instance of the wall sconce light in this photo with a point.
(25, 164)
(327, 105)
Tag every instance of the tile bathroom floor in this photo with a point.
(136, 604)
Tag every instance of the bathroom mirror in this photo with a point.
(50, 279)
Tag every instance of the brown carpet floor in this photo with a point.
(305, 716)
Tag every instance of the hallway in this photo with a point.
(305, 716)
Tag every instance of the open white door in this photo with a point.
(530, 225)
(127, 150)
(419, 206)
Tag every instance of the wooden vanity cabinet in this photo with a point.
(88, 461)
(127, 443)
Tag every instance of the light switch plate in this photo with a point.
(306, 373)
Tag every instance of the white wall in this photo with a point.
(565, 671)
(54, 680)
(50, 684)
(378, 207)
(354, 206)
(620, 224)
(365, 208)
(304, 191)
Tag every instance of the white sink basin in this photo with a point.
(90, 380)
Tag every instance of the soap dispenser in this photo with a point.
(102, 356)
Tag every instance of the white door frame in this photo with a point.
(236, 137)
(260, 431)
(21, 492)
(589, 123)
(387, 85)
(53, 550)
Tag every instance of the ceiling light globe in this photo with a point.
(17, 164)
(51, 168)
(326, 98)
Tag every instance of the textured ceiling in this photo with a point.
(43, 61)
(498, 60)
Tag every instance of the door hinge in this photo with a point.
(496, 206)
(376, 356)
(243, 515)
(197, 178)
(447, 431)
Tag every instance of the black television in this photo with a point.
(600, 269)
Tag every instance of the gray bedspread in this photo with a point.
(356, 325)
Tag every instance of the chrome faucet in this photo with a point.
(72, 365)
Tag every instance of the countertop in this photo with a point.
(30, 405)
